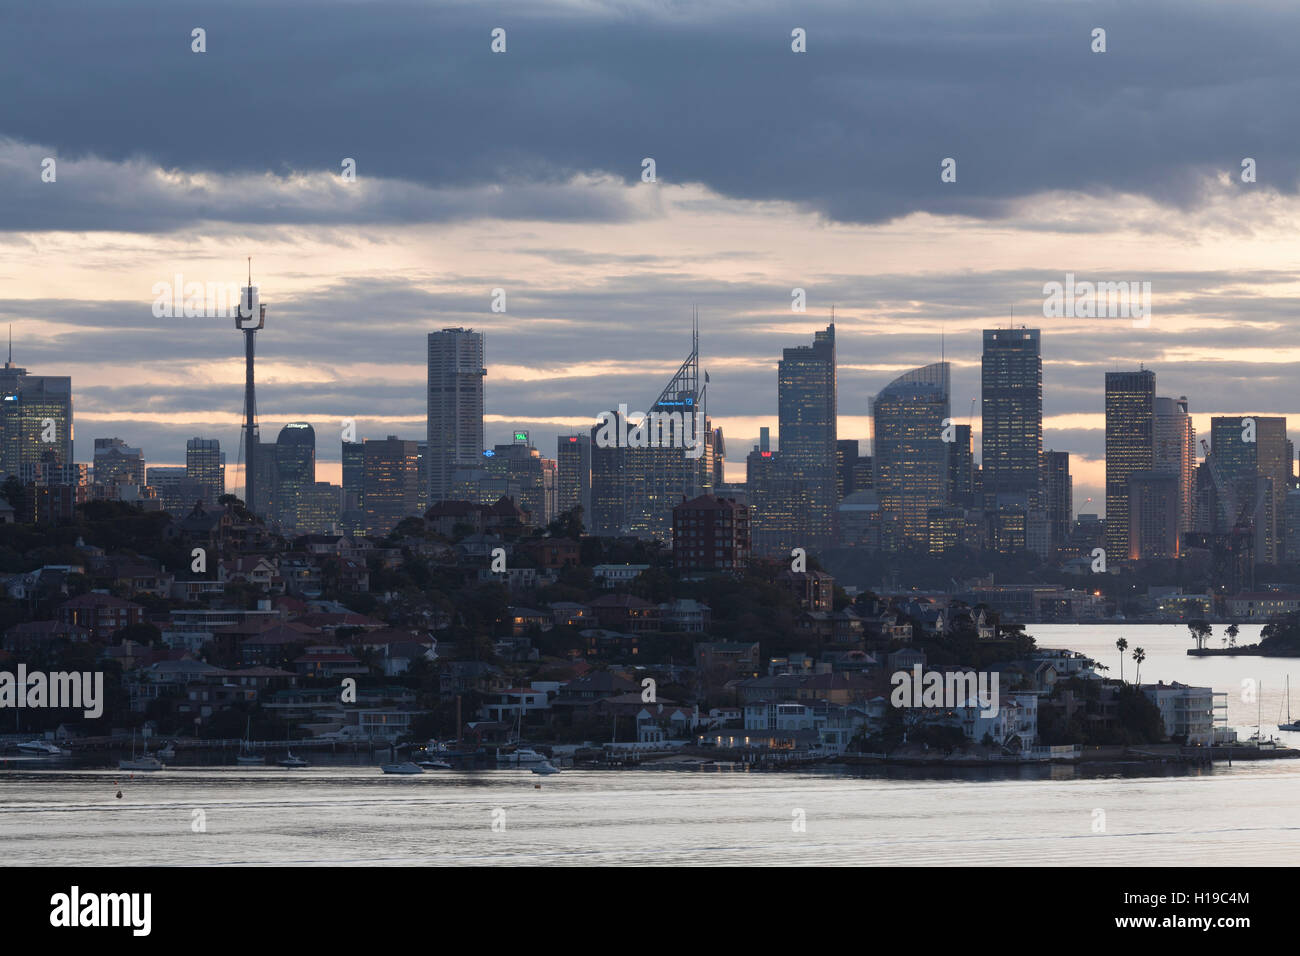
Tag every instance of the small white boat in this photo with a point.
(546, 768)
(140, 763)
(39, 748)
(292, 761)
(169, 751)
(406, 767)
(522, 755)
(433, 764)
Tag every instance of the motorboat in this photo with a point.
(432, 763)
(402, 768)
(169, 751)
(292, 761)
(39, 748)
(546, 768)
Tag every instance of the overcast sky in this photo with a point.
(522, 170)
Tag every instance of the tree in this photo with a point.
(1139, 656)
(1201, 632)
(1122, 645)
(1232, 633)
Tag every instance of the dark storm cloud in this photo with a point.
(855, 128)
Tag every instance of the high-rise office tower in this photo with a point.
(295, 469)
(1175, 453)
(846, 458)
(455, 424)
(177, 492)
(573, 475)
(1058, 488)
(391, 480)
(205, 464)
(117, 463)
(1130, 448)
(1011, 389)
(961, 469)
(354, 467)
(1252, 456)
(608, 497)
(806, 409)
(778, 499)
(910, 456)
(1154, 504)
(643, 466)
(35, 419)
(655, 479)
(318, 508)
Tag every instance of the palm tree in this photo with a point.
(1139, 656)
(1123, 646)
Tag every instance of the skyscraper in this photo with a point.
(910, 456)
(205, 464)
(806, 410)
(354, 466)
(455, 407)
(1059, 491)
(117, 463)
(778, 500)
(961, 468)
(35, 419)
(1011, 388)
(1153, 509)
(573, 478)
(295, 470)
(1252, 456)
(1175, 453)
(642, 464)
(391, 482)
(1130, 448)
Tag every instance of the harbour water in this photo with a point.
(349, 813)
(1227, 816)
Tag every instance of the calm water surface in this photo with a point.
(1243, 815)
(1246, 814)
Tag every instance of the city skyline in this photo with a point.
(329, 467)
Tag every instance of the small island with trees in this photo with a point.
(1280, 637)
